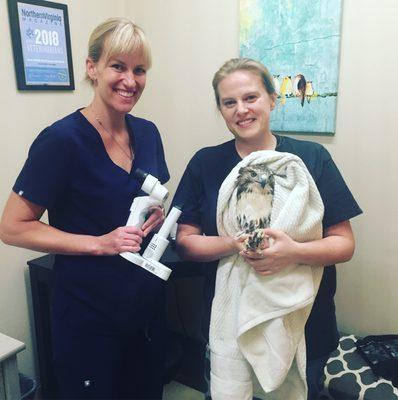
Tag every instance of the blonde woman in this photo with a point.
(245, 96)
(107, 314)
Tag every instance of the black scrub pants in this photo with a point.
(107, 365)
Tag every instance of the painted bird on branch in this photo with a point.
(299, 86)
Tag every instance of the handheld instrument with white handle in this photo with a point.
(157, 194)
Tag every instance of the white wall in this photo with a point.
(190, 40)
(365, 147)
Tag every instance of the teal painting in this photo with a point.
(299, 42)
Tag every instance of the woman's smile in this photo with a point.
(244, 123)
(124, 93)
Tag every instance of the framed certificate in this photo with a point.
(41, 44)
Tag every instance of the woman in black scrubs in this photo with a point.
(245, 96)
(107, 313)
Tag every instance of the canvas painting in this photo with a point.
(299, 42)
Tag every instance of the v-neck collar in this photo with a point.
(100, 142)
(279, 141)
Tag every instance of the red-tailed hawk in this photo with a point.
(255, 193)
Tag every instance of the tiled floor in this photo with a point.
(172, 391)
(176, 391)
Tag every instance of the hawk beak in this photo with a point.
(263, 181)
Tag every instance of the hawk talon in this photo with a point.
(254, 241)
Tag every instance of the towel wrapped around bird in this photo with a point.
(257, 343)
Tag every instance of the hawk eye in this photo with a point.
(253, 174)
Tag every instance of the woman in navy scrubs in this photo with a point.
(107, 314)
(245, 96)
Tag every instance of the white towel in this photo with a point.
(257, 342)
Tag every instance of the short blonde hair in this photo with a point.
(117, 36)
(242, 64)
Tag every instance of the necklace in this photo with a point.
(129, 156)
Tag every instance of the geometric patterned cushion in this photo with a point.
(349, 377)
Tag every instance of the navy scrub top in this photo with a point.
(69, 172)
(198, 191)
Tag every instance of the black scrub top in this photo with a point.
(69, 172)
(198, 192)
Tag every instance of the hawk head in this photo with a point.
(255, 178)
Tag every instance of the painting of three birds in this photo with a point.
(299, 42)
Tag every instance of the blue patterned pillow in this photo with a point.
(349, 377)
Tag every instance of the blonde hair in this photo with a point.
(117, 36)
(242, 64)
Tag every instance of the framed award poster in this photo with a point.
(41, 45)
